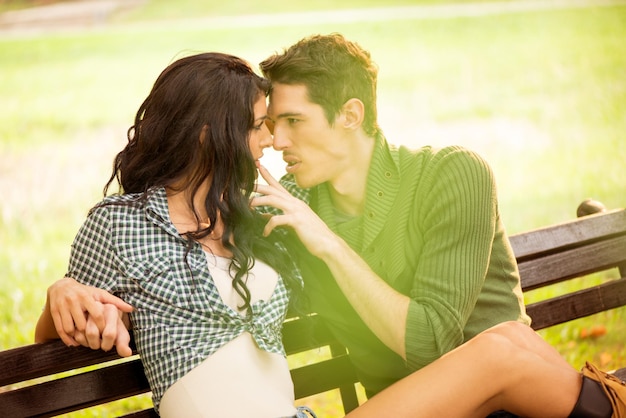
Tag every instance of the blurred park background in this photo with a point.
(537, 87)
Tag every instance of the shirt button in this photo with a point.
(380, 193)
(370, 215)
(388, 174)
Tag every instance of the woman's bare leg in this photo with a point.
(525, 337)
(486, 374)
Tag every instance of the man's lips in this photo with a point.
(292, 162)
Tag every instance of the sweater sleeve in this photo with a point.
(457, 196)
(92, 259)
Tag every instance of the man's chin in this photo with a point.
(302, 182)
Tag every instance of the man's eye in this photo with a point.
(291, 121)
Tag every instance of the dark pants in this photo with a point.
(502, 414)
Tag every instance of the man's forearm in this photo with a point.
(382, 308)
(45, 329)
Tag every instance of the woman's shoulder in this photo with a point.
(116, 203)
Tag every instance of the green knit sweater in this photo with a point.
(431, 229)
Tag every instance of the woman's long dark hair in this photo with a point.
(216, 93)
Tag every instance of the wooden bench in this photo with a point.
(591, 244)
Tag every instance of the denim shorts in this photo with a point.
(304, 412)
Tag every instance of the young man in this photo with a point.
(412, 258)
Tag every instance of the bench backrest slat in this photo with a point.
(574, 233)
(576, 262)
(302, 334)
(576, 305)
(76, 392)
(323, 376)
(38, 360)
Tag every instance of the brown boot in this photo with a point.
(614, 388)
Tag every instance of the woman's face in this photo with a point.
(260, 136)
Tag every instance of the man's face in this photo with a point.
(311, 147)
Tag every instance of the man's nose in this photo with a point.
(281, 140)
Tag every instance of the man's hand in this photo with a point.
(88, 316)
(312, 231)
(115, 332)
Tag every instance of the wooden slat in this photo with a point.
(572, 233)
(348, 393)
(38, 360)
(323, 376)
(146, 413)
(575, 305)
(576, 262)
(76, 392)
(311, 333)
(305, 334)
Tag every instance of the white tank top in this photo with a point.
(239, 379)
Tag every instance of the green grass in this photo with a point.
(541, 95)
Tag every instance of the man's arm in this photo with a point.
(84, 315)
(383, 309)
(79, 313)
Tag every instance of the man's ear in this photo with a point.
(353, 112)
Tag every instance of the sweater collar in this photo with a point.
(383, 181)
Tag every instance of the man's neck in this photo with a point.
(348, 191)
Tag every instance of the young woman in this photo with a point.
(181, 244)
(209, 293)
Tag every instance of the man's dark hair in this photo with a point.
(333, 69)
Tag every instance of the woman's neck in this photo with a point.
(192, 219)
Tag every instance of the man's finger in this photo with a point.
(109, 333)
(92, 333)
(263, 200)
(273, 223)
(81, 339)
(122, 342)
(267, 176)
(107, 298)
(91, 309)
(265, 190)
(270, 179)
(65, 337)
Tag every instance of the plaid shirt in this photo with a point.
(289, 182)
(134, 251)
